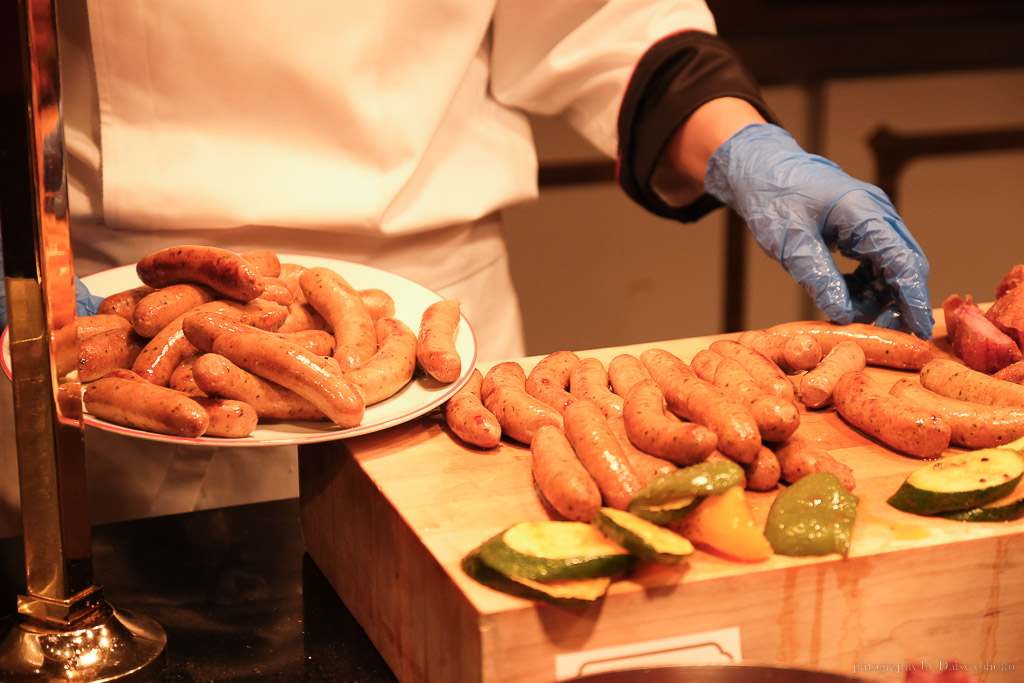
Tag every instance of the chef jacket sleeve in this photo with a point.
(624, 74)
(574, 58)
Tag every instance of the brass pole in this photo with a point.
(63, 628)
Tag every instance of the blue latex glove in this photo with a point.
(801, 206)
(86, 303)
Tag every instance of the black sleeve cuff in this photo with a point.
(675, 76)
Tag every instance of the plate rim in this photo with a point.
(432, 401)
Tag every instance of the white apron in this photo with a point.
(388, 132)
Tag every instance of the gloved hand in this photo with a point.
(86, 303)
(801, 206)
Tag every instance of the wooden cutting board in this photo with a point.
(388, 516)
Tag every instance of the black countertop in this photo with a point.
(235, 591)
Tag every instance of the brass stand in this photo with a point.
(63, 629)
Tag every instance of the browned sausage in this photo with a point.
(764, 472)
(624, 371)
(225, 271)
(333, 298)
(549, 378)
(972, 425)
(704, 363)
(277, 290)
(145, 406)
(645, 465)
(386, 372)
(563, 481)
(520, 415)
(182, 378)
(776, 418)
(767, 374)
(435, 344)
(297, 369)
(793, 354)
(89, 325)
(589, 381)
(228, 418)
(302, 317)
(123, 303)
(902, 425)
(265, 260)
(799, 456)
(953, 379)
(379, 303)
(157, 309)
(217, 376)
(882, 346)
(1014, 372)
(654, 432)
(201, 328)
(468, 418)
(693, 399)
(597, 448)
(817, 385)
(101, 353)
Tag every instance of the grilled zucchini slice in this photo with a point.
(566, 593)
(555, 550)
(960, 482)
(642, 538)
(1004, 509)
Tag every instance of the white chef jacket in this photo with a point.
(389, 132)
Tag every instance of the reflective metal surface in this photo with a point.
(63, 630)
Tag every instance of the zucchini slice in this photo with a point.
(567, 593)
(960, 482)
(1004, 509)
(665, 512)
(681, 489)
(644, 539)
(555, 550)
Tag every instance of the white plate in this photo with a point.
(417, 398)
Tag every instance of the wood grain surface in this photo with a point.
(388, 516)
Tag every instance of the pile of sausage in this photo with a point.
(214, 341)
(598, 434)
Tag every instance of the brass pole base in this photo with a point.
(107, 646)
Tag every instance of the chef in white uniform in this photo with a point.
(389, 133)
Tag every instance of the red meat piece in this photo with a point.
(1007, 314)
(1010, 280)
(976, 339)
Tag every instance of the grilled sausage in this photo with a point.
(386, 372)
(799, 456)
(466, 415)
(624, 371)
(520, 415)
(653, 431)
(767, 374)
(595, 445)
(902, 425)
(690, 397)
(972, 424)
(157, 309)
(588, 381)
(333, 298)
(123, 303)
(145, 406)
(882, 346)
(228, 418)
(98, 354)
(776, 418)
(297, 369)
(953, 379)
(228, 273)
(564, 483)
(793, 354)
(435, 343)
(549, 379)
(763, 473)
(215, 375)
(817, 385)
